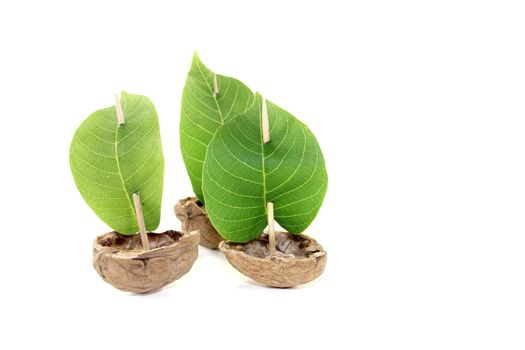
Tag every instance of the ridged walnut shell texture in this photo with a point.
(193, 217)
(120, 260)
(298, 259)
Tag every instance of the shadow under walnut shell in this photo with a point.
(298, 259)
(121, 261)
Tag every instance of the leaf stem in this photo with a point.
(140, 221)
(120, 113)
(271, 230)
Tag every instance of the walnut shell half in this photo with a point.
(298, 259)
(120, 260)
(193, 217)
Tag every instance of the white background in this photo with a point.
(419, 107)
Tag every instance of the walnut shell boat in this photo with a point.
(298, 259)
(193, 217)
(120, 260)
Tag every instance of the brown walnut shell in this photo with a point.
(298, 259)
(193, 217)
(121, 261)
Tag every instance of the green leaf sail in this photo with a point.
(111, 162)
(241, 174)
(202, 112)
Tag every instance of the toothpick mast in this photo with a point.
(271, 230)
(140, 221)
(269, 206)
(136, 197)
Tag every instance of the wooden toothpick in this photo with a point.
(140, 221)
(120, 113)
(271, 230)
(215, 85)
(265, 122)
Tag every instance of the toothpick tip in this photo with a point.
(265, 122)
(120, 113)
(215, 85)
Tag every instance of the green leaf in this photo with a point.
(202, 112)
(111, 162)
(241, 174)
